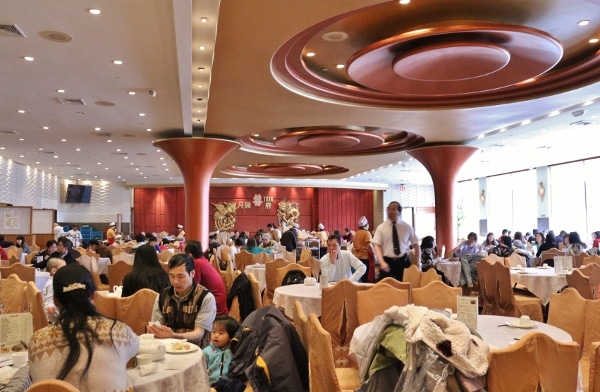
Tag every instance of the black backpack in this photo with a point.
(293, 277)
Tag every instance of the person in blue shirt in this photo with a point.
(218, 354)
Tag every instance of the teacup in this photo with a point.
(118, 290)
(524, 321)
(147, 336)
(545, 265)
(310, 281)
(20, 358)
(143, 359)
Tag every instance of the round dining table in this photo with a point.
(308, 296)
(175, 372)
(450, 269)
(259, 272)
(541, 281)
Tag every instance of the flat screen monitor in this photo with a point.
(78, 193)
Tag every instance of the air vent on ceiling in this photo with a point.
(68, 101)
(584, 122)
(10, 132)
(11, 31)
(48, 152)
(120, 153)
(103, 134)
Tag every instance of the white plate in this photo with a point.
(517, 325)
(545, 267)
(6, 374)
(190, 348)
(527, 272)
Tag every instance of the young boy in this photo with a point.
(48, 293)
(218, 353)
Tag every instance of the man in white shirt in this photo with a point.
(338, 264)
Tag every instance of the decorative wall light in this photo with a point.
(482, 197)
(541, 190)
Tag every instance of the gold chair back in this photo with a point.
(12, 294)
(313, 264)
(242, 259)
(305, 254)
(375, 300)
(255, 286)
(591, 259)
(581, 283)
(437, 295)
(271, 279)
(412, 275)
(52, 386)
(106, 304)
(165, 256)
(35, 304)
(566, 311)
(300, 323)
(136, 310)
(515, 260)
(116, 273)
(282, 272)
(26, 274)
(429, 276)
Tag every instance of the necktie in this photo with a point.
(395, 239)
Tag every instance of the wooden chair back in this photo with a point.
(437, 295)
(26, 274)
(549, 254)
(116, 273)
(14, 260)
(375, 300)
(581, 283)
(262, 258)
(284, 254)
(531, 352)
(592, 270)
(136, 310)
(591, 335)
(29, 258)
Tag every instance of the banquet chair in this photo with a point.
(95, 273)
(14, 251)
(591, 335)
(26, 274)
(12, 294)
(339, 316)
(117, 251)
(594, 373)
(436, 295)
(29, 258)
(242, 259)
(581, 283)
(578, 260)
(214, 261)
(323, 375)
(106, 304)
(116, 273)
(515, 260)
(136, 310)
(492, 258)
(271, 279)
(498, 297)
(412, 275)
(538, 353)
(13, 259)
(255, 287)
(284, 254)
(305, 254)
(34, 248)
(125, 257)
(313, 264)
(51, 385)
(35, 306)
(378, 298)
(548, 256)
(165, 256)
(229, 274)
(566, 311)
(592, 270)
(399, 285)
(261, 258)
(591, 259)
(429, 276)
(300, 323)
(282, 272)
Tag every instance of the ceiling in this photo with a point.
(330, 93)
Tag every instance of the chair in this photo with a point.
(549, 254)
(14, 251)
(12, 294)
(262, 258)
(578, 260)
(242, 259)
(581, 283)
(34, 248)
(323, 375)
(125, 257)
(116, 273)
(136, 310)
(51, 385)
(566, 311)
(289, 256)
(375, 300)
(515, 260)
(300, 323)
(165, 256)
(594, 373)
(436, 295)
(538, 354)
(255, 286)
(429, 276)
(29, 257)
(26, 274)
(271, 279)
(283, 271)
(117, 251)
(313, 264)
(106, 305)
(96, 275)
(412, 275)
(498, 297)
(35, 305)
(305, 254)
(399, 285)
(591, 335)
(492, 258)
(229, 274)
(592, 270)
(339, 316)
(13, 259)
(591, 259)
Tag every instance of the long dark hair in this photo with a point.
(75, 311)
(147, 271)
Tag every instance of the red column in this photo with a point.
(197, 159)
(443, 163)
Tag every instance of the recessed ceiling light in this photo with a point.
(203, 47)
(63, 140)
(60, 91)
(526, 122)
(131, 92)
(584, 22)
(141, 114)
(310, 54)
(200, 68)
(117, 62)
(28, 58)
(21, 111)
(255, 135)
(554, 113)
(204, 19)
(125, 157)
(78, 149)
(199, 111)
(149, 129)
(45, 128)
(109, 141)
(97, 129)
(94, 11)
(98, 163)
(118, 150)
(404, 1)
(37, 162)
(593, 40)
(40, 149)
(56, 156)
(21, 139)
(200, 85)
(340, 66)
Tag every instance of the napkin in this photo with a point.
(173, 364)
(148, 369)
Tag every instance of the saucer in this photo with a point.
(518, 325)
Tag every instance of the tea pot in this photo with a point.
(154, 347)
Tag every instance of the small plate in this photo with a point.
(186, 348)
(517, 325)
(524, 272)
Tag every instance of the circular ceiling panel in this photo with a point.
(283, 170)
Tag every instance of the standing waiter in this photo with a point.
(392, 240)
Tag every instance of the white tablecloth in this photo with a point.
(191, 374)
(41, 278)
(451, 270)
(103, 263)
(308, 296)
(259, 272)
(541, 282)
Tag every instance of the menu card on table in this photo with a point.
(468, 309)
(15, 329)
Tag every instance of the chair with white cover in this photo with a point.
(581, 283)
(125, 257)
(323, 375)
(378, 298)
(436, 295)
(566, 311)
(534, 352)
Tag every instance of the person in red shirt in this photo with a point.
(3, 255)
(207, 276)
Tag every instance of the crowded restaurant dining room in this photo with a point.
(300, 195)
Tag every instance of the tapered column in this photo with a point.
(197, 159)
(443, 164)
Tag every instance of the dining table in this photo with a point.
(259, 272)
(41, 277)
(540, 281)
(309, 297)
(450, 269)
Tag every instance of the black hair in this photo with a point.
(182, 259)
(239, 241)
(335, 237)
(140, 237)
(550, 238)
(427, 242)
(574, 238)
(65, 242)
(506, 240)
(147, 271)
(251, 243)
(472, 235)
(49, 243)
(398, 206)
(231, 325)
(75, 311)
(194, 248)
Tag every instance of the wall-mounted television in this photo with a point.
(78, 193)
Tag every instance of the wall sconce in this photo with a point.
(482, 197)
(541, 190)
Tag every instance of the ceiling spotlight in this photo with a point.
(28, 58)
(141, 114)
(131, 92)
(310, 54)
(593, 41)
(404, 1)
(584, 22)
(60, 91)
(45, 128)
(21, 111)
(203, 47)
(204, 19)
(97, 129)
(339, 66)
(94, 11)
(117, 62)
